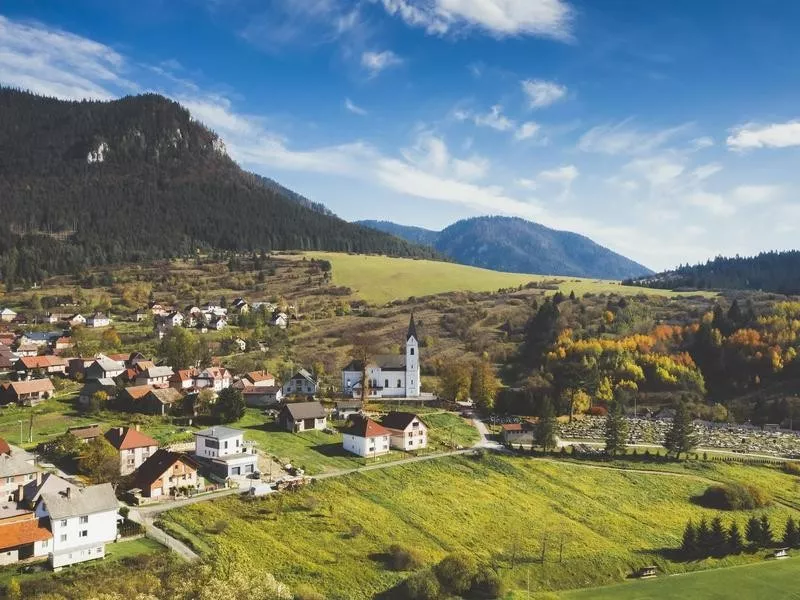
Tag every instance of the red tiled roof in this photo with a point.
(42, 362)
(137, 392)
(128, 438)
(257, 376)
(366, 427)
(34, 385)
(512, 427)
(157, 465)
(4, 447)
(20, 533)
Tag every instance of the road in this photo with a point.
(161, 536)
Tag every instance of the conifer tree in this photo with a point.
(766, 538)
(735, 543)
(689, 543)
(791, 535)
(681, 437)
(545, 434)
(703, 538)
(616, 430)
(718, 538)
(752, 531)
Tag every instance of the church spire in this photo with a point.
(412, 329)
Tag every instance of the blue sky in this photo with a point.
(667, 131)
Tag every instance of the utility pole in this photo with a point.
(20, 431)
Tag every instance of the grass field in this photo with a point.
(767, 579)
(380, 279)
(333, 535)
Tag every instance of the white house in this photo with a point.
(155, 376)
(216, 378)
(301, 383)
(279, 320)
(365, 437)
(225, 451)
(82, 520)
(133, 446)
(408, 432)
(7, 315)
(98, 319)
(387, 375)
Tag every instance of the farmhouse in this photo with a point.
(408, 432)
(216, 378)
(29, 366)
(225, 452)
(159, 401)
(23, 536)
(86, 433)
(164, 473)
(344, 409)
(98, 319)
(262, 396)
(26, 393)
(16, 469)
(365, 437)
(131, 396)
(517, 433)
(154, 376)
(7, 315)
(82, 520)
(96, 385)
(255, 379)
(387, 375)
(104, 368)
(133, 446)
(302, 416)
(301, 383)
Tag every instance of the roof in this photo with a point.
(25, 532)
(109, 365)
(75, 502)
(305, 375)
(412, 329)
(11, 464)
(365, 427)
(254, 390)
(49, 484)
(305, 410)
(220, 432)
(32, 386)
(137, 392)
(119, 357)
(185, 374)
(388, 362)
(41, 362)
(125, 438)
(256, 376)
(87, 432)
(158, 372)
(155, 466)
(94, 385)
(512, 427)
(340, 404)
(399, 420)
(7, 311)
(98, 315)
(4, 447)
(166, 395)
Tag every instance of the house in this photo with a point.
(165, 473)
(183, 379)
(140, 315)
(54, 318)
(131, 396)
(63, 343)
(27, 350)
(517, 433)
(29, 366)
(98, 319)
(255, 379)
(262, 396)
(365, 437)
(240, 305)
(16, 468)
(387, 375)
(7, 315)
(154, 376)
(279, 320)
(103, 368)
(38, 338)
(7, 360)
(24, 536)
(97, 385)
(301, 383)
(408, 431)
(173, 319)
(77, 366)
(238, 344)
(27, 393)
(82, 520)
(216, 378)
(226, 453)
(159, 401)
(133, 446)
(76, 320)
(86, 433)
(218, 323)
(303, 416)
(344, 409)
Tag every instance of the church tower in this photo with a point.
(412, 360)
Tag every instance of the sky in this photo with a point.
(666, 131)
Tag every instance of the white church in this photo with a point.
(388, 375)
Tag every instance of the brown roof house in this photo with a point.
(366, 438)
(303, 416)
(408, 431)
(159, 401)
(26, 393)
(133, 446)
(165, 474)
(29, 366)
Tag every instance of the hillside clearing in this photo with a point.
(333, 534)
(381, 279)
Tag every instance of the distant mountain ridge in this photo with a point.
(519, 246)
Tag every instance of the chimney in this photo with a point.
(120, 430)
(137, 427)
(68, 492)
(20, 492)
(38, 478)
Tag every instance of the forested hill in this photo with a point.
(520, 246)
(769, 272)
(135, 179)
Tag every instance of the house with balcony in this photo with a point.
(225, 453)
(165, 473)
(133, 446)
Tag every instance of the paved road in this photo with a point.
(485, 442)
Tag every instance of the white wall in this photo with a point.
(235, 445)
(99, 527)
(133, 458)
(368, 447)
(412, 368)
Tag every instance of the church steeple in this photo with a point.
(412, 329)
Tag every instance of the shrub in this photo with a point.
(402, 558)
(734, 496)
(219, 526)
(487, 583)
(597, 411)
(792, 468)
(306, 592)
(422, 585)
(456, 572)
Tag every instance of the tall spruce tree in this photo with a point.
(703, 538)
(791, 534)
(681, 438)
(616, 430)
(765, 533)
(735, 543)
(545, 433)
(689, 542)
(718, 538)
(752, 531)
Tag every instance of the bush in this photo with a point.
(792, 468)
(734, 496)
(456, 572)
(402, 558)
(422, 585)
(487, 583)
(597, 411)
(306, 592)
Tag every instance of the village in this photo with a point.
(52, 511)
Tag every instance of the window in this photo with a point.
(99, 550)
(386, 383)
(84, 533)
(64, 523)
(211, 443)
(399, 383)
(63, 537)
(45, 543)
(412, 351)
(84, 519)
(226, 445)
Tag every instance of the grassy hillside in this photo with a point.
(333, 535)
(380, 279)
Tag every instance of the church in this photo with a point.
(388, 375)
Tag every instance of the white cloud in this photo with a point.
(713, 203)
(622, 138)
(528, 184)
(701, 143)
(623, 184)
(659, 171)
(500, 18)
(55, 63)
(756, 194)
(353, 108)
(774, 135)
(706, 171)
(494, 119)
(527, 130)
(375, 62)
(542, 93)
(564, 175)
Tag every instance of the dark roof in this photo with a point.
(305, 410)
(365, 427)
(399, 420)
(87, 432)
(387, 362)
(343, 404)
(80, 501)
(155, 466)
(412, 329)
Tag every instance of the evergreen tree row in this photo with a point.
(706, 540)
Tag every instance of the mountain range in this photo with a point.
(516, 245)
(89, 183)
